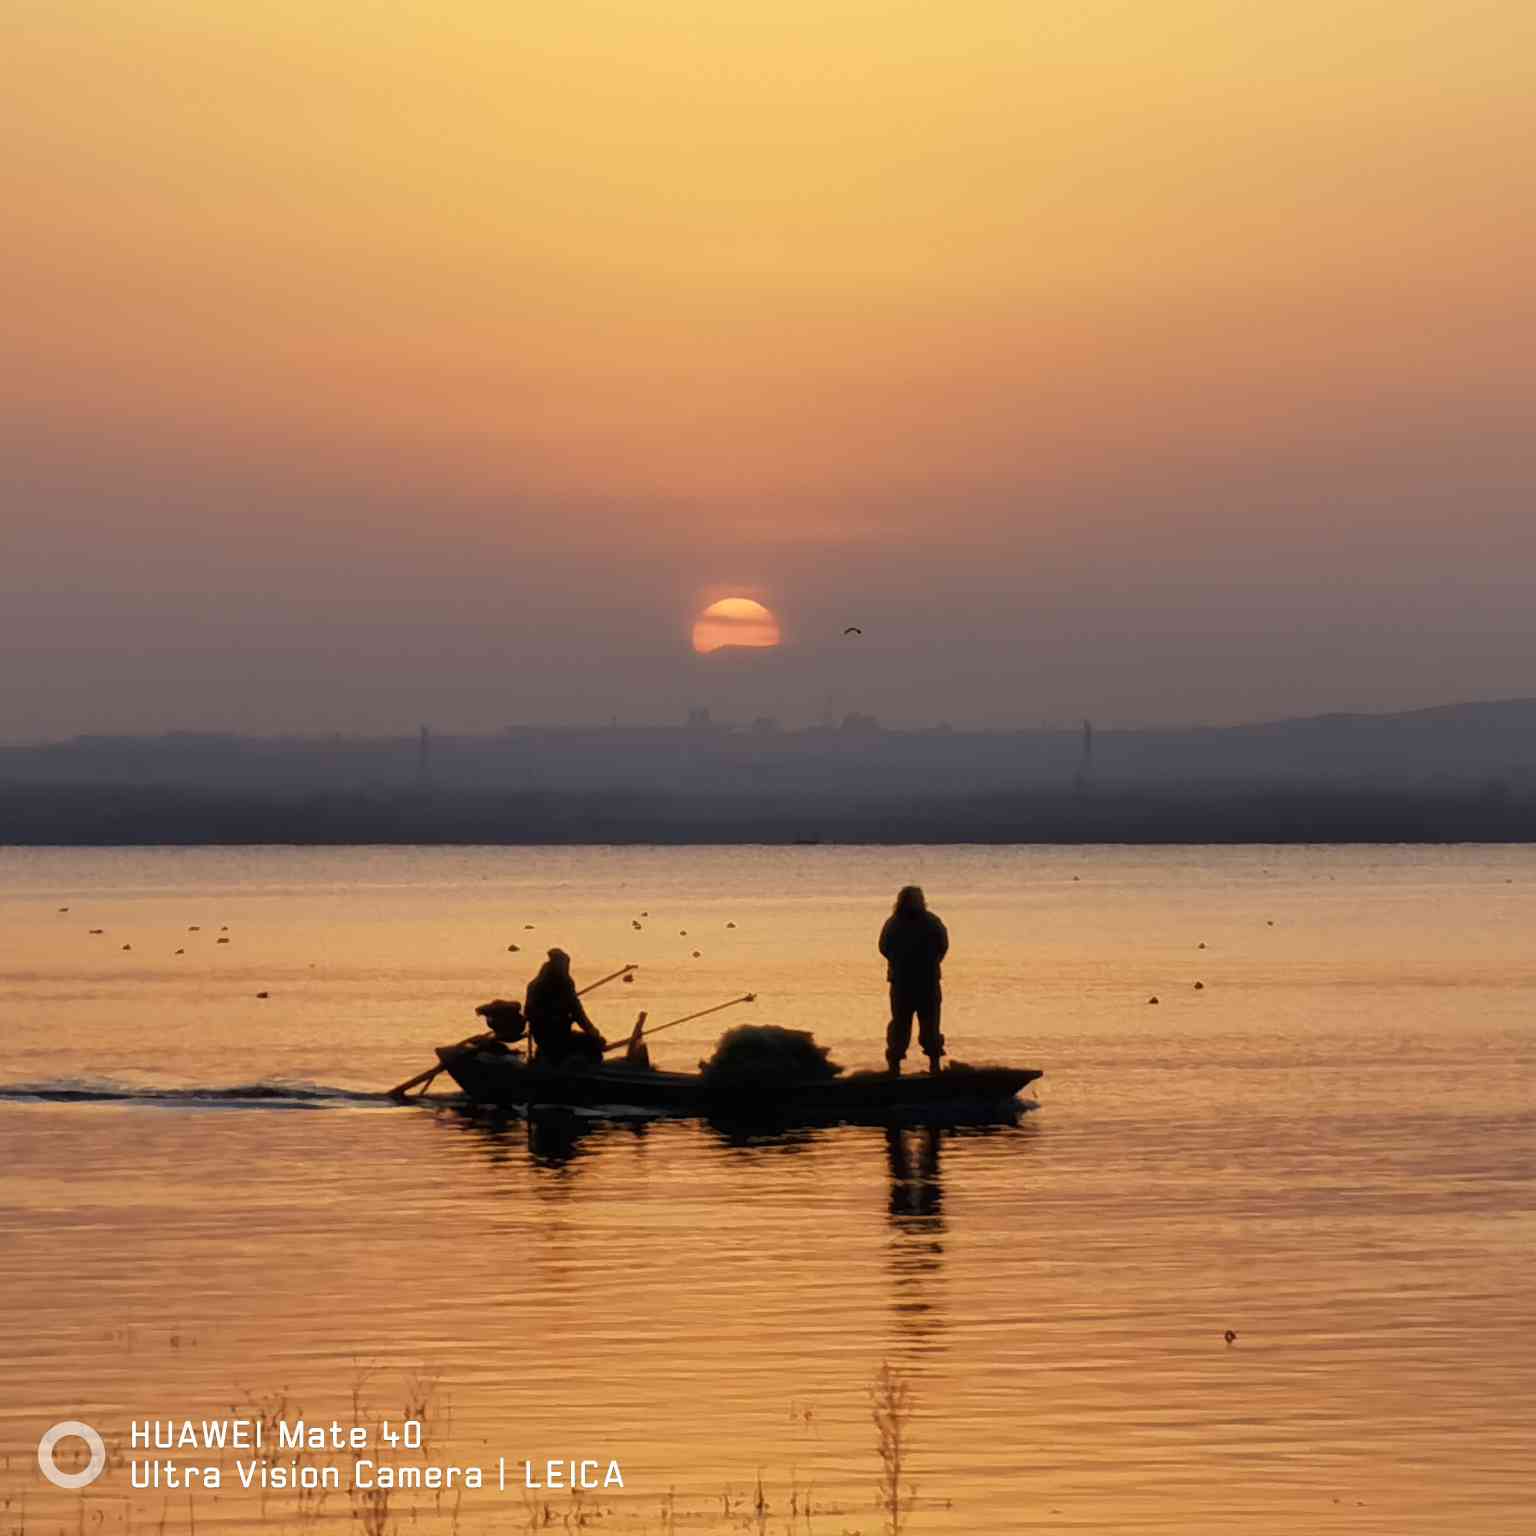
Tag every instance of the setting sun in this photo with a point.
(734, 621)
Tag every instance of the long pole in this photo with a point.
(592, 986)
(746, 997)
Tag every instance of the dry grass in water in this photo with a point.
(890, 1400)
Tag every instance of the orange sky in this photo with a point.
(743, 282)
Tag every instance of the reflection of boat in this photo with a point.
(507, 1081)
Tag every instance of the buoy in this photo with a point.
(63, 909)
(263, 994)
(1151, 999)
(127, 946)
(696, 954)
(512, 949)
(1230, 1336)
(1201, 944)
(634, 923)
(223, 927)
(628, 978)
(222, 941)
(181, 951)
(730, 925)
(527, 927)
(1199, 986)
(194, 929)
(682, 933)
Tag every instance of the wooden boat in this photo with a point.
(506, 1080)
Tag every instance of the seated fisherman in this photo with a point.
(554, 1015)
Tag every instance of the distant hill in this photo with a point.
(1494, 714)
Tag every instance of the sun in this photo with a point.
(734, 621)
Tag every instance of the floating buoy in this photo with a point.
(63, 909)
(223, 927)
(1230, 1336)
(1151, 999)
(527, 927)
(194, 929)
(127, 946)
(1201, 944)
(682, 933)
(222, 941)
(730, 925)
(1199, 986)
(628, 978)
(263, 994)
(181, 951)
(512, 949)
(696, 954)
(634, 923)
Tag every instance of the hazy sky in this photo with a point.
(1148, 360)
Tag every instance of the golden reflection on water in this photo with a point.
(1326, 1151)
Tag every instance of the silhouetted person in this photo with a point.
(554, 1014)
(914, 943)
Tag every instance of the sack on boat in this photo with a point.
(505, 1019)
(755, 1057)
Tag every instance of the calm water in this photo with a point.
(1329, 1148)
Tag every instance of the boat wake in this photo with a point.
(240, 1096)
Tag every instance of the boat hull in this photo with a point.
(506, 1081)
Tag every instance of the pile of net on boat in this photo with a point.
(754, 1059)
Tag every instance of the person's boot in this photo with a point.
(893, 1065)
(935, 1065)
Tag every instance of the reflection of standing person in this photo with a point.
(914, 943)
(917, 1190)
(915, 1254)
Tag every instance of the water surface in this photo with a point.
(1327, 1147)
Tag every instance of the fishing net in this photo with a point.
(765, 1058)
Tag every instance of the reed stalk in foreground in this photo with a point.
(890, 1397)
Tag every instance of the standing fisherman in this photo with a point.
(914, 943)
(555, 1014)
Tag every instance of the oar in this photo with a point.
(746, 997)
(425, 1078)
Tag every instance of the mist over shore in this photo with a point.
(1458, 773)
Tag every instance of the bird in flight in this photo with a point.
(853, 629)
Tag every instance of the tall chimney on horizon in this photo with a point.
(1082, 780)
(424, 760)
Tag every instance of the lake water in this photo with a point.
(1329, 1148)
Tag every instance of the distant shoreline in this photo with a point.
(125, 815)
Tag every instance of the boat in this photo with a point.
(506, 1080)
